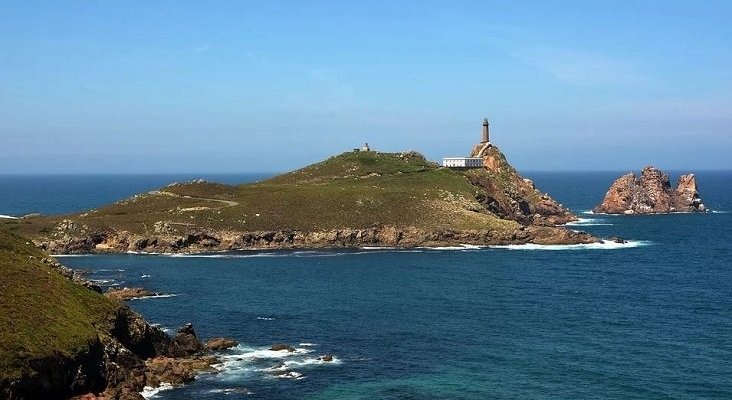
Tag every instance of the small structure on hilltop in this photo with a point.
(476, 159)
(365, 147)
(486, 132)
(462, 162)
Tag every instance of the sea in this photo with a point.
(647, 319)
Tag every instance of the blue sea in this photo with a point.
(645, 320)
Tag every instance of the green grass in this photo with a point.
(41, 312)
(351, 190)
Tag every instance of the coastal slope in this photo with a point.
(60, 337)
(651, 193)
(350, 200)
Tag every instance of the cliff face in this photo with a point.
(509, 195)
(60, 339)
(651, 193)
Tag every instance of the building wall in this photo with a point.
(462, 162)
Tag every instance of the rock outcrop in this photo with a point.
(125, 293)
(651, 193)
(387, 236)
(509, 195)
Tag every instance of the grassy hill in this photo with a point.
(43, 314)
(354, 191)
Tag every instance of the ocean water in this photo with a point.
(648, 319)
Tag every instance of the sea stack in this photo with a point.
(651, 193)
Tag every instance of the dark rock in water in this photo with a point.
(185, 342)
(123, 294)
(176, 371)
(616, 239)
(282, 347)
(651, 193)
(326, 358)
(217, 344)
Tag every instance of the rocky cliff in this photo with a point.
(60, 339)
(651, 193)
(509, 195)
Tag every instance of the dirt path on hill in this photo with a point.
(227, 203)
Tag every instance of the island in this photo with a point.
(361, 198)
(651, 193)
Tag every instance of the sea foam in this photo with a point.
(149, 392)
(606, 245)
(589, 222)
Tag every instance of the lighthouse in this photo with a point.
(486, 132)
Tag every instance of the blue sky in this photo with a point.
(270, 86)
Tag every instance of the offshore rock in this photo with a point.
(651, 193)
(125, 293)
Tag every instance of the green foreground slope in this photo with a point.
(42, 313)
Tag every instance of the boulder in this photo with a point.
(125, 293)
(184, 343)
(218, 344)
(282, 347)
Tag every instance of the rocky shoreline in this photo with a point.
(200, 241)
(126, 355)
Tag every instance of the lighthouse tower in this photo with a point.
(486, 132)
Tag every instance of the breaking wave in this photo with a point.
(155, 296)
(241, 362)
(149, 392)
(606, 245)
(8, 216)
(589, 222)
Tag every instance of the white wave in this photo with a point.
(719, 212)
(306, 344)
(290, 375)
(588, 212)
(155, 296)
(266, 318)
(245, 352)
(145, 276)
(149, 392)
(606, 245)
(228, 391)
(588, 222)
(450, 248)
(101, 281)
(7, 216)
(307, 362)
(163, 328)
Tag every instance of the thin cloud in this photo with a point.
(581, 68)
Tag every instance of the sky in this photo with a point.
(267, 86)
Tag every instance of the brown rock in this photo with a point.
(125, 293)
(651, 193)
(185, 342)
(326, 358)
(218, 344)
(282, 347)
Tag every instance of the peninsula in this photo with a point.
(355, 199)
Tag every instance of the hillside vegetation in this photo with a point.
(353, 199)
(43, 314)
(352, 190)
